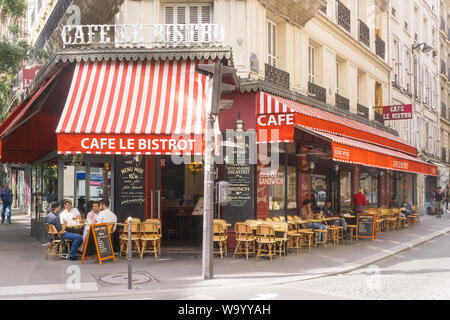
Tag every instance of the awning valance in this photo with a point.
(270, 110)
(134, 107)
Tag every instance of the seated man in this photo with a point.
(407, 206)
(338, 222)
(306, 213)
(90, 219)
(71, 216)
(394, 203)
(106, 215)
(54, 219)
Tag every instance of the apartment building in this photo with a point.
(444, 76)
(311, 76)
(414, 59)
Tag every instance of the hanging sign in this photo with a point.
(98, 244)
(398, 112)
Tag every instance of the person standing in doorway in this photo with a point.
(439, 197)
(6, 197)
(360, 201)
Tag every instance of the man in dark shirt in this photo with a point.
(53, 218)
(439, 197)
(394, 203)
(330, 214)
(6, 196)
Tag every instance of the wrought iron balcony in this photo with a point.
(278, 77)
(317, 91)
(364, 33)
(343, 15)
(342, 102)
(363, 111)
(380, 48)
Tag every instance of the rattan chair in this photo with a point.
(149, 234)
(135, 238)
(245, 240)
(276, 219)
(268, 220)
(265, 240)
(220, 237)
(56, 246)
(307, 236)
(158, 223)
(281, 241)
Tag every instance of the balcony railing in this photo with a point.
(317, 91)
(149, 35)
(278, 77)
(364, 33)
(343, 16)
(363, 111)
(380, 48)
(342, 102)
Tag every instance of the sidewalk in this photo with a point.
(24, 266)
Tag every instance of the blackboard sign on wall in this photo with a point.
(130, 187)
(98, 244)
(366, 225)
(241, 181)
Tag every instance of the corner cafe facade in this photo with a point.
(107, 124)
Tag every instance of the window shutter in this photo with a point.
(169, 18)
(271, 43)
(206, 14)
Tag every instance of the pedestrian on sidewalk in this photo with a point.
(439, 197)
(447, 196)
(53, 218)
(360, 201)
(6, 197)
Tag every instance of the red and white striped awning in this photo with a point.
(134, 107)
(269, 108)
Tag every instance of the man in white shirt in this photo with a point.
(106, 215)
(71, 216)
(90, 219)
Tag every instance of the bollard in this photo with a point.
(130, 276)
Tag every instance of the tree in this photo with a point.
(13, 52)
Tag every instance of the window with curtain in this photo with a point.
(271, 34)
(311, 62)
(370, 185)
(276, 192)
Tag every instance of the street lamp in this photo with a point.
(426, 48)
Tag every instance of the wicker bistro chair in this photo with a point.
(401, 221)
(135, 238)
(149, 234)
(281, 240)
(390, 222)
(245, 239)
(294, 237)
(268, 220)
(56, 245)
(158, 223)
(266, 242)
(220, 237)
(307, 236)
(333, 232)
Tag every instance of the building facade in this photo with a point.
(313, 72)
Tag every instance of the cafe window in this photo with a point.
(276, 192)
(369, 182)
(405, 186)
(346, 189)
(319, 190)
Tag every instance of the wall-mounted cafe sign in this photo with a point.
(144, 35)
(398, 112)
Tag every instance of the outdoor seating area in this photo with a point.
(145, 237)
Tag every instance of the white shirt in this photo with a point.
(106, 216)
(68, 216)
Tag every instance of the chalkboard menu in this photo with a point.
(240, 179)
(98, 244)
(130, 187)
(366, 225)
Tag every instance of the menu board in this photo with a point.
(240, 188)
(98, 244)
(130, 187)
(366, 225)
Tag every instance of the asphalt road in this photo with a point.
(419, 273)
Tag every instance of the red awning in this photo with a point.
(351, 141)
(268, 108)
(353, 151)
(141, 107)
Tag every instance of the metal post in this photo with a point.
(130, 275)
(208, 211)
(286, 187)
